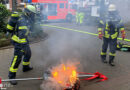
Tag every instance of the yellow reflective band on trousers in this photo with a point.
(22, 27)
(114, 35)
(12, 66)
(10, 27)
(16, 39)
(102, 53)
(26, 63)
(112, 54)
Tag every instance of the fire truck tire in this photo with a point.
(69, 18)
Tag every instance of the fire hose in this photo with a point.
(47, 75)
(80, 31)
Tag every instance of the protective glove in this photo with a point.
(123, 34)
(100, 35)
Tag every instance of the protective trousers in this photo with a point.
(112, 43)
(77, 17)
(20, 50)
(81, 15)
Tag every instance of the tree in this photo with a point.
(4, 13)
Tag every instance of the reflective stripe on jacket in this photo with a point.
(110, 31)
(22, 30)
(12, 21)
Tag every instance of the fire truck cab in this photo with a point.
(56, 9)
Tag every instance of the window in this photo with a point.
(74, 7)
(61, 5)
(66, 5)
(52, 9)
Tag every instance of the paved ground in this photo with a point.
(63, 44)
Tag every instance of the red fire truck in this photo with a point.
(57, 9)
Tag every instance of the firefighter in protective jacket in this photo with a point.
(108, 30)
(19, 26)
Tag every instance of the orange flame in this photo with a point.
(65, 75)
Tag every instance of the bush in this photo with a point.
(4, 13)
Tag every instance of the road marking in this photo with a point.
(80, 31)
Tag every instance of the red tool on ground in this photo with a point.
(91, 76)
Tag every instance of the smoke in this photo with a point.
(61, 46)
(123, 7)
(50, 85)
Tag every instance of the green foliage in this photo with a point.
(19, 10)
(4, 13)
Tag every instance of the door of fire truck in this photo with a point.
(62, 10)
(50, 10)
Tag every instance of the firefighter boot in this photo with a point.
(12, 75)
(27, 68)
(111, 60)
(103, 58)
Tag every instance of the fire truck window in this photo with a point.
(66, 5)
(61, 5)
(74, 7)
(52, 9)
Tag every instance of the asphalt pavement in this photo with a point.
(69, 45)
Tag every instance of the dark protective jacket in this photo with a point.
(11, 26)
(111, 25)
(19, 28)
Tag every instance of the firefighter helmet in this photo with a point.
(112, 7)
(31, 8)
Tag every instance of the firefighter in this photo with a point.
(77, 17)
(81, 15)
(20, 41)
(108, 30)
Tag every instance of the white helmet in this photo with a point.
(112, 7)
(31, 8)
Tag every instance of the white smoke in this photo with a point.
(50, 84)
(123, 7)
